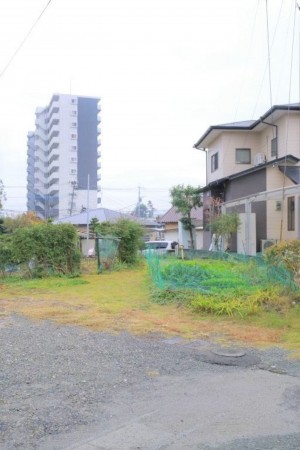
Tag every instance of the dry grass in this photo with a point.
(120, 301)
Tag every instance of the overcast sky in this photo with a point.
(165, 71)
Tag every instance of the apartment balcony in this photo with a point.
(53, 103)
(53, 123)
(98, 165)
(54, 157)
(98, 130)
(54, 112)
(54, 134)
(99, 153)
(98, 140)
(54, 144)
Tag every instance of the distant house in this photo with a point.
(253, 168)
(153, 229)
(102, 214)
(173, 230)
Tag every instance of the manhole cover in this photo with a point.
(229, 353)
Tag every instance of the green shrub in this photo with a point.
(130, 234)
(6, 253)
(286, 254)
(47, 249)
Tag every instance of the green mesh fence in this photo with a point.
(213, 272)
(106, 251)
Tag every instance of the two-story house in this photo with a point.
(253, 167)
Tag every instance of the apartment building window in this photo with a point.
(243, 155)
(74, 101)
(73, 148)
(214, 162)
(73, 171)
(274, 147)
(73, 136)
(73, 112)
(291, 213)
(73, 160)
(73, 124)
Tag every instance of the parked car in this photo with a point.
(160, 247)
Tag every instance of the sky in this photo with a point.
(165, 71)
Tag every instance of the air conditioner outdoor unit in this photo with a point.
(259, 159)
(266, 243)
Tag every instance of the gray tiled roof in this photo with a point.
(174, 216)
(102, 214)
(292, 172)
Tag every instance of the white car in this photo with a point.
(160, 247)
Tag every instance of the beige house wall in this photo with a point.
(225, 145)
(215, 147)
(259, 143)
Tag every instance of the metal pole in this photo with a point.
(88, 217)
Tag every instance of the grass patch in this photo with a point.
(124, 300)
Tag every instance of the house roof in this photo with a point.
(293, 172)
(172, 215)
(215, 130)
(275, 162)
(102, 214)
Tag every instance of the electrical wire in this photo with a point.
(24, 40)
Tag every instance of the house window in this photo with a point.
(291, 213)
(243, 155)
(214, 162)
(274, 147)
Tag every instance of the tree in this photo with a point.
(130, 234)
(94, 223)
(144, 211)
(223, 227)
(185, 198)
(23, 220)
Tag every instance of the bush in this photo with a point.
(47, 249)
(130, 234)
(6, 254)
(287, 254)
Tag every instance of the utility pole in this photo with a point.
(88, 217)
(72, 197)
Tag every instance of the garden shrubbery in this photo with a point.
(230, 287)
(42, 249)
(286, 254)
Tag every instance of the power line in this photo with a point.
(24, 40)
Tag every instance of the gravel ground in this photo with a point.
(56, 379)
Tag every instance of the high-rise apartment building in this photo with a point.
(63, 157)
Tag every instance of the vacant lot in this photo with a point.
(120, 301)
(93, 362)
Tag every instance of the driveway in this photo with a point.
(70, 388)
